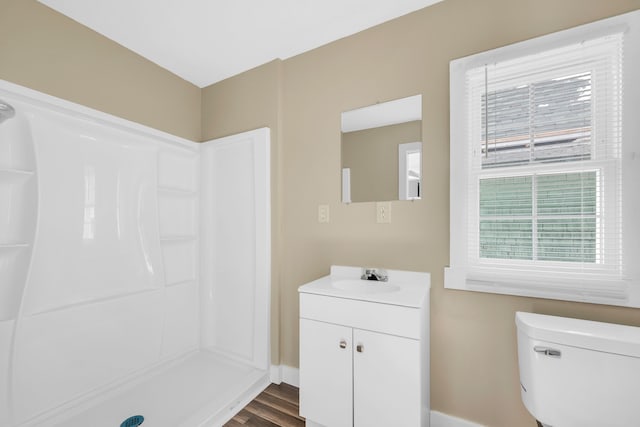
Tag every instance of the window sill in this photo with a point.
(622, 293)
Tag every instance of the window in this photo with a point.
(542, 166)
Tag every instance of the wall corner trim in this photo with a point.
(439, 419)
(285, 374)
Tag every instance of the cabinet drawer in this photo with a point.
(385, 318)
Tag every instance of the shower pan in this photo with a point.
(134, 269)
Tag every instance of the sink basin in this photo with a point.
(404, 288)
(364, 286)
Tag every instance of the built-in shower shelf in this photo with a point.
(181, 282)
(177, 238)
(176, 191)
(10, 246)
(15, 172)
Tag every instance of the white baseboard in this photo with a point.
(439, 419)
(274, 374)
(287, 374)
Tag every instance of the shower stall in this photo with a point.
(134, 269)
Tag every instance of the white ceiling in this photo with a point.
(205, 41)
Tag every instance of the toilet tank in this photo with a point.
(579, 373)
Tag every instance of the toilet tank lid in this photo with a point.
(599, 336)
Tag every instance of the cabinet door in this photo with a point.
(386, 380)
(326, 391)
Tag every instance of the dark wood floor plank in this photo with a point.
(276, 406)
(285, 392)
(242, 416)
(279, 404)
(259, 422)
(278, 418)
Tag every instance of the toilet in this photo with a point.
(579, 373)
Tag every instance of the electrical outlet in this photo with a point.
(383, 212)
(323, 213)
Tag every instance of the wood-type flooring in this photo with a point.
(276, 406)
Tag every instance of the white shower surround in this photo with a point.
(134, 269)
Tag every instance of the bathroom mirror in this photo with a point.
(382, 151)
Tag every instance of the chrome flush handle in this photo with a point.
(547, 351)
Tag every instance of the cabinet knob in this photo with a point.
(343, 344)
(360, 348)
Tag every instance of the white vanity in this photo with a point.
(364, 349)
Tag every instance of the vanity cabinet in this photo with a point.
(363, 363)
(326, 350)
(386, 380)
(354, 377)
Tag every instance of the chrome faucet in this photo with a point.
(374, 274)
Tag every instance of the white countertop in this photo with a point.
(410, 288)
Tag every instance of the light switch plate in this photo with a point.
(383, 212)
(323, 213)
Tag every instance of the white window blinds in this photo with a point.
(544, 142)
(541, 194)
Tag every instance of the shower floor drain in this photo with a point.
(134, 421)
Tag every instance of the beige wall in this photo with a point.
(372, 157)
(474, 372)
(48, 52)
